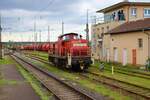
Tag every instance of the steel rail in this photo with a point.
(136, 89)
(85, 95)
(125, 73)
(110, 84)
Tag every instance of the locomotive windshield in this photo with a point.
(70, 36)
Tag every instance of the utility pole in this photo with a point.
(35, 37)
(62, 27)
(48, 40)
(1, 55)
(32, 37)
(87, 26)
(40, 36)
(49, 37)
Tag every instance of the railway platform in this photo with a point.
(13, 86)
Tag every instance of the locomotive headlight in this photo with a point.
(79, 44)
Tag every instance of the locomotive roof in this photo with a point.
(68, 34)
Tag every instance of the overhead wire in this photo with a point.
(49, 4)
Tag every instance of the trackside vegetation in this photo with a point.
(75, 77)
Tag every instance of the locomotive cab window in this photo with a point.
(75, 37)
(69, 37)
(66, 38)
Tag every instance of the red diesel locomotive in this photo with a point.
(70, 51)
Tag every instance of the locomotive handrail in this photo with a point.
(63, 51)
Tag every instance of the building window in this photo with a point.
(133, 11)
(147, 12)
(140, 43)
(107, 28)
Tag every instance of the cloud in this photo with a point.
(19, 16)
(24, 13)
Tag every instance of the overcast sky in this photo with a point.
(19, 16)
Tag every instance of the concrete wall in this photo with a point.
(97, 30)
(129, 41)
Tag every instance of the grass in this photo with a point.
(128, 67)
(42, 57)
(99, 88)
(7, 82)
(5, 60)
(40, 54)
(103, 90)
(130, 79)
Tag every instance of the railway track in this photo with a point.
(138, 91)
(61, 88)
(125, 86)
(134, 71)
(36, 55)
(131, 71)
(137, 73)
(141, 75)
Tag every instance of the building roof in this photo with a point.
(132, 26)
(121, 4)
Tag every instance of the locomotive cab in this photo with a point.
(75, 51)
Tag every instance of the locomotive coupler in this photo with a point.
(81, 64)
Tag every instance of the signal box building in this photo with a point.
(124, 34)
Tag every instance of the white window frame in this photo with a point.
(147, 14)
(133, 11)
